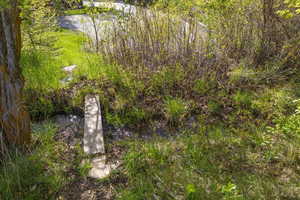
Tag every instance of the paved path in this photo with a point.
(104, 22)
(83, 23)
(125, 8)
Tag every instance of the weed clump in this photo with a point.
(175, 110)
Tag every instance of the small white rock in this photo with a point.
(69, 68)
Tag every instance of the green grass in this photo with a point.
(246, 145)
(35, 175)
(75, 12)
(175, 109)
(226, 164)
(42, 70)
(83, 11)
(71, 51)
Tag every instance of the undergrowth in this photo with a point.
(237, 84)
(38, 174)
(218, 163)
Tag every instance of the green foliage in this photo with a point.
(42, 71)
(36, 175)
(274, 101)
(38, 17)
(213, 106)
(241, 73)
(132, 116)
(202, 86)
(293, 9)
(136, 115)
(223, 165)
(230, 191)
(114, 119)
(167, 78)
(140, 2)
(243, 98)
(288, 126)
(40, 106)
(175, 109)
(91, 11)
(176, 5)
(75, 12)
(84, 169)
(4, 4)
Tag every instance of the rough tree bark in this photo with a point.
(267, 32)
(14, 119)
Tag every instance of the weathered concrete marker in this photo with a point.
(93, 141)
(99, 168)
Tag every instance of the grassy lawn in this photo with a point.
(43, 70)
(83, 11)
(226, 164)
(75, 12)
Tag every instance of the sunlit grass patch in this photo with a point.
(85, 10)
(275, 101)
(72, 50)
(41, 71)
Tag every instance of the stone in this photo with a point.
(64, 121)
(70, 129)
(66, 80)
(93, 141)
(99, 168)
(126, 8)
(69, 68)
(120, 133)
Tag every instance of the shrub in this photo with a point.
(152, 41)
(213, 106)
(38, 19)
(167, 78)
(203, 85)
(274, 102)
(243, 98)
(175, 110)
(288, 126)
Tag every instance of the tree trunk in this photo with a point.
(268, 34)
(14, 119)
